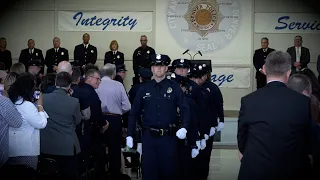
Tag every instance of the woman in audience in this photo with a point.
(48, 83)
(114, 56)
(314, 81)
(18, 68)
(8, 81)
(3, 75)
(24, 142)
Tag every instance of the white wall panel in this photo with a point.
(34, 5)
(278, 6)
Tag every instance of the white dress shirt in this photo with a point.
(298, 54)
(25, 140)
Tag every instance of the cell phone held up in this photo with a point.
(36, 95)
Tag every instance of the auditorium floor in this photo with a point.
(224, 165)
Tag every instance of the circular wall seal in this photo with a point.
(203, 25)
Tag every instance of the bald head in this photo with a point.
(64, 66)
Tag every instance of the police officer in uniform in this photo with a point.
(181, 66)
(34, 68)
(31, 53)
(259, 59)
(187, 147)
(114, 56)
(141, 57)
(145, 75)
(157, 101)
(215, 104)
(55, 55)
(84, 53)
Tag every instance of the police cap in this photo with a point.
(121, 68)
(160, 60)
(145, 73)
(181, 63)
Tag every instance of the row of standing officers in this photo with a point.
(174, 118)
(84, 54)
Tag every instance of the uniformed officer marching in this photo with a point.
(141, 57)
(31, 53)
(84, 53)
(55, 55)
(187, 148)
(181, 66)
(157, 101)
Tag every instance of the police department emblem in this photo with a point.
(158, 56)
(203, 25)
(169, 90)
(62, 53)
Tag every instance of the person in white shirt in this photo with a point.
(24, 142)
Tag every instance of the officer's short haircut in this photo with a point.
(2, 38)
(143, 36)
(63, 79)
(300, 83)
(55, 38)
(108, 70)
(30, 40)
(90, 73)
(278, 63)
(76, 73)
(86, 34)
(298, 36)
(265, 38)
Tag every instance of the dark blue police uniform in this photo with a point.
(158, 103)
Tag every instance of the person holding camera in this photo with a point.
(24, 142)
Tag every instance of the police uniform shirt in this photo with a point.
(6, 59)
(27, 55)
(54, 57)
(141, 57)
(114, 57)
(158, 103)
(85, 54)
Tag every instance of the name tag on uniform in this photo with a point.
(147, 95)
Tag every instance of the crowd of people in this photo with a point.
(76, 115)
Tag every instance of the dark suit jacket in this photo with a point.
(117, 59)
(304, 59)
(141, 58)
(259, 58)
(83, 56)
(59, 137)
(274, 134)
(53, 58)
(25, 57)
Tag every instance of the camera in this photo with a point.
(36, 94)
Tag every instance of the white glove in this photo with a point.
(220, 126)
(198, 145)
(194, 153)
(181, 133)
(139, 148)
(212, 131)
(203, 144)
(129, 141)
(206, 137)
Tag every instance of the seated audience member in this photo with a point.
(64, 66)
(18, 68)
(314, 81)
(3, 75)
(8, 81)
(48, 83)
(10, 117)
(302, 84)
(24, 142)
(59, 140)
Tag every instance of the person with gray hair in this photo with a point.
(114, 103)
(55, 55)
(275, 127)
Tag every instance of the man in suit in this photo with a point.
(300, 56)
(274, 127)
(59, 140)
(55, 55)
(85, 53)
(31, 53)
(259, 58)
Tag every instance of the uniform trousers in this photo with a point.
(114, 138)
(184, 161)
(159, 157)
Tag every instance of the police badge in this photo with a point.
(92, 51)
(62, 53)
(118, 57)
(169, 90)
(148, 52)
(36, 54)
